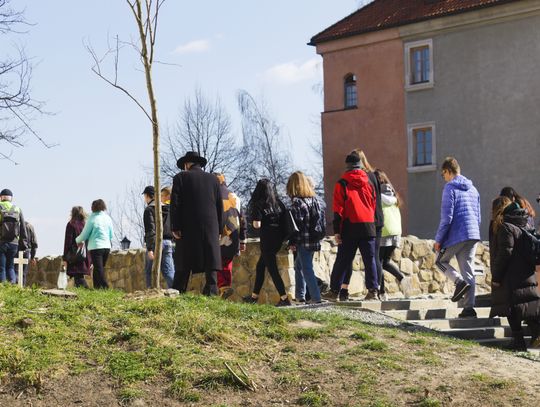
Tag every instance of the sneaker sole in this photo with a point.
(460, 294)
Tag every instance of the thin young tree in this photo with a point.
(146, 17)
(17, 106)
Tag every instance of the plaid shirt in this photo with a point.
(300, 210)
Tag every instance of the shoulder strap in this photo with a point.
(344, 183)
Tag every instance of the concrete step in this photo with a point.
(460, 323)
(437, 313)
(409, 304)
(494, 332)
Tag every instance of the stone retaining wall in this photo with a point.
(415, 258)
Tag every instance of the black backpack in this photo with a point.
(531, 245)
(317, 221)
(10, 227)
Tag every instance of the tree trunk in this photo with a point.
(156, 266)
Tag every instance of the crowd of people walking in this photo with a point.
(205, 228)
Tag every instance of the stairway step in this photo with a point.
(494, 332)
(393, 305)
(436, 313)
(459, 323)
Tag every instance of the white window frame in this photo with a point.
(410, 136)
(409, 86)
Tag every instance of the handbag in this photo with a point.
(76, 255)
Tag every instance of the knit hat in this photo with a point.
(6, 192)
(353, 161)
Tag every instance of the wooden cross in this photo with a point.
(20, 262)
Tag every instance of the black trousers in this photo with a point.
(80, 281)
(181, 281)
(268, 261)
(385, 254)
(348, 269)
(99, 260)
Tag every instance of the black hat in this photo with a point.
(6, 192)
(352, 158)
(191, 157)
(149, 190)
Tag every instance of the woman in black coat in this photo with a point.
(268, 213)
(196, 217)
(515, 288)
(74, 229)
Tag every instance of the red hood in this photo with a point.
(356, 178)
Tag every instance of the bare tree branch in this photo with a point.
(17, 107)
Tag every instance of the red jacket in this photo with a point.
(355, 203)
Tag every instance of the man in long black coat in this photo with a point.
(196, 218)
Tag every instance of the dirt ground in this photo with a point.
(332, 371)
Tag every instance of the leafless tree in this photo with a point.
(17, 106)
(263, 145)
(204, 126)
(146, 17)
(127, 215)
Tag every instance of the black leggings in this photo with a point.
(268, 261)
(99, 259)
(80, 281)
(385, 255)
(514, 320)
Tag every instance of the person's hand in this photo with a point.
(33, 262)
(91, 267)
(177, 235)
(151, 255)
(64, 264)
(337, 238)
(437, 247)
(243, 247)
(257, 224)
(80, 244)
(292, 247)
(494, 284)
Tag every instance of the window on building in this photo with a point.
(350, 92)
(422, 147)
(419, 65)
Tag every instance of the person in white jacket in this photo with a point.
(391, 235)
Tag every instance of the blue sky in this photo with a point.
(104, 141)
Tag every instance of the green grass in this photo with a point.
(184, 342)
(490, 383)
(429, 402)
(313, 399)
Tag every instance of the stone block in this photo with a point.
(428, 261)
(396, 256)
(438, 276)
(406, 249)
(406, 266)
(425, 276)
(480, 249)
(420, 249)
(434, 287)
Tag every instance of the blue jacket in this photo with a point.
(460, 213)
(98, 230)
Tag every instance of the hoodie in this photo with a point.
(460, 213)
(355, 203)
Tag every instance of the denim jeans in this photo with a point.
(167, 265)
(306, 262)
(300, 282)
(8, 252)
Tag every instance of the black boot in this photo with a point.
(518, 342)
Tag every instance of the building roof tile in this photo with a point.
(383, 14)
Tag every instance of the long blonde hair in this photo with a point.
(363, 159)
(497, 212)
(299, 186)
